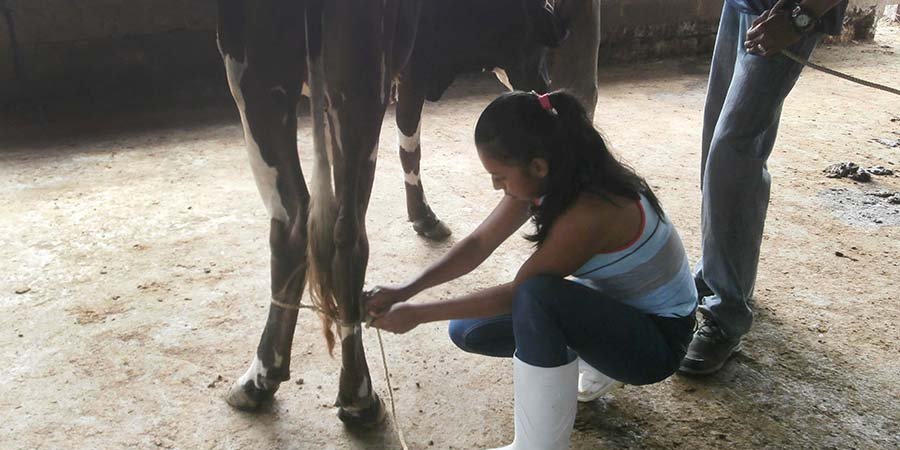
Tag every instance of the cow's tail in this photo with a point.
(323, 208)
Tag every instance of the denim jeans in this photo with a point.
(740, 122)
(553, 319)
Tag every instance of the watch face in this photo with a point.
(802, 20)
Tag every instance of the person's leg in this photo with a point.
(554, 318)
(721, 71)
(735, 192)
(489, 336)
(551, 318)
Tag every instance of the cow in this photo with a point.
(508, 37)
(348, 55)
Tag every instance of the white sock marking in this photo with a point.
(256, 373)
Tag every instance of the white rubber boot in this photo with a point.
(593, 384)
(545, 406)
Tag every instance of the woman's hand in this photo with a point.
(380, 299)
(399, 319)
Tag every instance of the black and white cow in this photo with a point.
(509, 37)
(349, 54)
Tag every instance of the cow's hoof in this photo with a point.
(247, 397)
(432, 229)
(368, 417)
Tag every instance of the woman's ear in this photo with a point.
(539, 168)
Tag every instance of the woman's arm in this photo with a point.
(462, 258)
(507, 217)
(571, 242)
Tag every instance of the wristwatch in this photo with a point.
(802, 19)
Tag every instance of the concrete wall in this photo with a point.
(93, 47)
(69, 47)
(859, 21)
(637, 29)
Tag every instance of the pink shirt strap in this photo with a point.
(544, 99)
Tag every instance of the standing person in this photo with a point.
(609, 282)
(748, 82)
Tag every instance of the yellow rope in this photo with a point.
(387, 377)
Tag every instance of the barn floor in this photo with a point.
(135, 279)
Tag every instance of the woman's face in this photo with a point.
(523, 183)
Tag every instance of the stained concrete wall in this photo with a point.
(637, 29)
(90, 46)
(859, 21)
(66, 47)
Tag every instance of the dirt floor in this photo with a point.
(134, 280)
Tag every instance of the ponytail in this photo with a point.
(523, 126)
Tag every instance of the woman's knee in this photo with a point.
(535, 295)
(457, 331)
(490, 336)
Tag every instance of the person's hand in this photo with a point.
(770, 34)
(400, 318)
(380, 299)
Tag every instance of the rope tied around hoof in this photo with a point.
(387, 374)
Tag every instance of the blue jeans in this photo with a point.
(740, 122)
(553, 319)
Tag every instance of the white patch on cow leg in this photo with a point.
(278, 360)
(234, 70)
(349, 330)
(332, 126)
(257, 374)
(362, 392)
(364, 388)
(409, 144)
(501, 75)
(411, 178)
(266, 176)
(304, 89)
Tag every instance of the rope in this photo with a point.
(313, 308)
(796, 58)
(387, 374)
(844, 76)
(291, 307)
(387, 377)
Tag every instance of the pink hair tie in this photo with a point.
(544, 100)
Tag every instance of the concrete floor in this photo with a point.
(135, 279)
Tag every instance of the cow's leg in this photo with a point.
(409, 120)
(573, 65)
(346, 76)
(354, 172)
(265, 85)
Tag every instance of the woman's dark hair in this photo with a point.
(515, 129)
